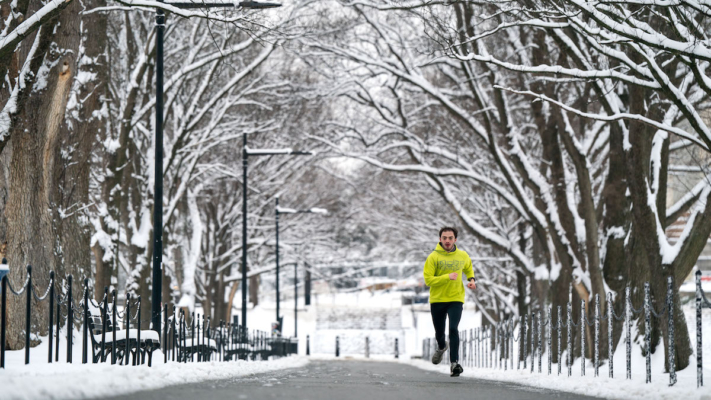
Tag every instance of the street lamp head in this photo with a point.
(317, 210)
(257, 4)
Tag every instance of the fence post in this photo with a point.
(699, 351)
(672, 347)
(3, 317)
(540, 336)
(647, 332)
(570, 340)
(51, 314)
(192, 337)
(367, 347)
(478, 348)
(165, 333)
(338, 350)
(27, 314)
(206, 336)
(492, 340)
(500, 342)
(199, 357)
(137, 359)
(583, 322)
(59, 317)
(463, 347)
(174, 341)
(560, 344)
(104, 316)
(550, 339)
(85, 335)
(487, 347)
(481, 344)
(628, 325)
(182, 338)
(470, 351)
(534, 326)
(597, 335)
(114, 308)
(397, 350)
(497, 345)
(509, 341)
(70, 320)
(520, 345)
(525, 340)
(508, 348)
(609, 335)
(308, 345)
(127, 319)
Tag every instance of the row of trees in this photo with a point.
(564, 137)
(553, 131)
(78, 141)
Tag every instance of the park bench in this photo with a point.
(101, 350)
(195, 346)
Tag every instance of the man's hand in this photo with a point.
(471, 285)
(453, 276)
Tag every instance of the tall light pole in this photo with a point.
(157, 277)
(246, 153)
(278, 211)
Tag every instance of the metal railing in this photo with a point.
(103, 338)
(492, 346)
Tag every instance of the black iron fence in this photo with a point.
(493, 346)
(107, 333)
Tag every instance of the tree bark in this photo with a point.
(34, 221)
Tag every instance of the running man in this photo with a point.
(443, 270)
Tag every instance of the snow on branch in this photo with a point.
(679, 132)
(9, 42)
(694, 49)
(559, 70)
(205, 13)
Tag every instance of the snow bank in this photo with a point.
(65, 381)
(602, 386)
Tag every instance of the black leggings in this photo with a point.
(440, 311)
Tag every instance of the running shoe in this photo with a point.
(456, 369)
(437, 356)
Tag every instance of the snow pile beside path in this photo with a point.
(74, 381)
(602, 386)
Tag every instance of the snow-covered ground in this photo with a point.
(41, 380)
(76, 381)
(602, 386)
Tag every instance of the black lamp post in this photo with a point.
(246, 152)
(278, 211)
(158, 189)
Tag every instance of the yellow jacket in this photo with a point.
(438, 266)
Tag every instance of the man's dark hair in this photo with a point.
(448, 229)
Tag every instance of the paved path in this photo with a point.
(351, 380)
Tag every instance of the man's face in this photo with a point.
(448, 240)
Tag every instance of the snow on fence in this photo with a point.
(501, 338)
(183, 341)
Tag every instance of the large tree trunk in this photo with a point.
(615, 225)
(638, 167)
(34, 221)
